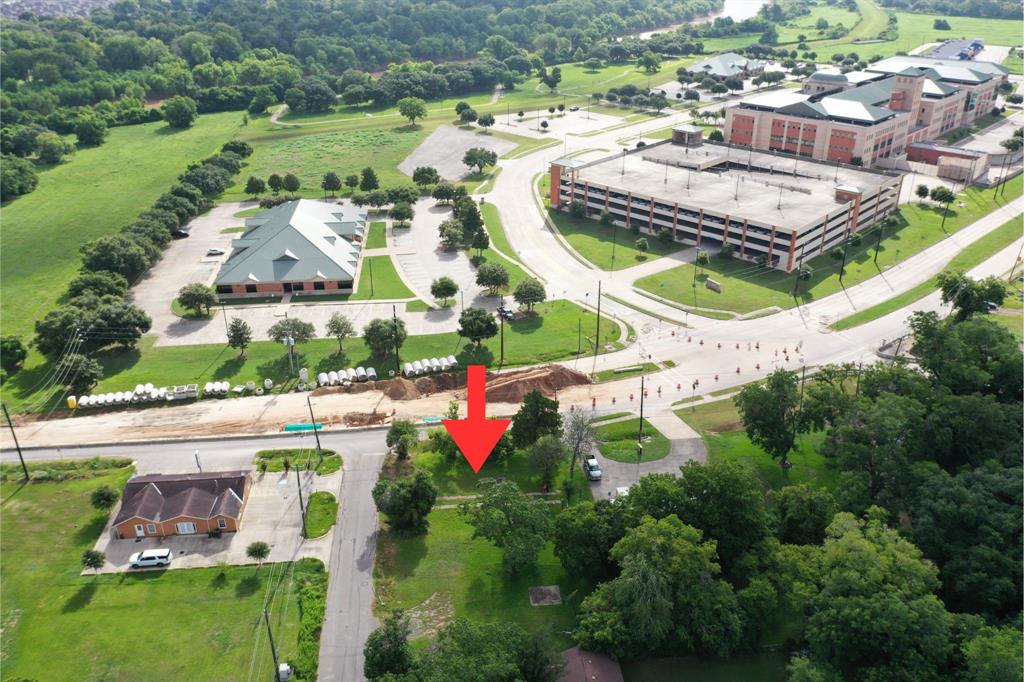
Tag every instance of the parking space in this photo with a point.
(271, 515)
(559, 125)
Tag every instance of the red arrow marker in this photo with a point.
(476, 435)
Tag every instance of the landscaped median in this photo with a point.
(618, 441)
(972, 256)
(303, 459)
(321, 513)
(747, 287)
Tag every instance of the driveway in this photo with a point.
(271, 515)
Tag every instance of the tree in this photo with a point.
(293, 329)
(412, 108)
(464, 651)
(578, 436)
(461, 106)
(546, 456)
(100, 283)
(481, 241)
(401, 436)
(584, 535)
(402, 212)
(426, 175)
(1012, 144)
(514, 522)
(443, 288)
(691, 95)
(94, 559)
(544, 125)
(487, 120)
(340, 327)
(331, 182)
(537, 416)
(275, 183)
(368, 180)
(801, 513)
(387, 650)
(733, 84)
(239, 335)
(641, 245)
(529, 292)
(255, 186)
(79, 372)
(922, 191)
(451, 233)
(291, 183)
(352, 181)
(12, 353)
(993, 655)
(716, 136)
(649, 62)
(262, 98)
(197, 297)
(258, 551)
(90, 130)
(242, 149)
(52, 148)
(771, 413)
(443, 192)
(702, 260)
(104, 498)
(179, 111)
(383, 336)
(476, 324)
(970, 296)
(551, 78)
(17, 177)
(479, 157)
(407, 501)
(494, 276)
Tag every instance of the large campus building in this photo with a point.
(300, 246)
(867, 116)
(784, 208)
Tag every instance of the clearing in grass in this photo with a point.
(618, 441)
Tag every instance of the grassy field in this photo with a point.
(94, 194)
(617, 441)
(805, 25)
(445, 573)
(719, 424)
(379, 280)
(188, 624)
(321, 513)
(1015, 63)
(746, 287)
(549, 335)
(377, 236)
(455, 477)
(970, 257)
(300, 458)
(625, 373)
(597, 243)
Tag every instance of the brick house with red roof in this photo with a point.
(159, 505)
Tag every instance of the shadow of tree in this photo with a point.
(333, 362)
(248, 585)
(80, 599)
(229, 368)
(91, 530)
(220, 581)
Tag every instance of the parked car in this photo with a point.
(592, 468)
(991, 307)
(506, 312)
(150, 557)
(179, 234)
(215, 252)
(574, 108)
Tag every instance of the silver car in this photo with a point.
(149, 558)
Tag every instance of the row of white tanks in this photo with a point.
(429, 365)
(346, 375)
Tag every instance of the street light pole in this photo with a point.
(369, 264)
(273, 650)
(17, 447)
(302, 504)
(225, 311)
(394, 318)
(597, 335)
(316, 434)
(640, 431)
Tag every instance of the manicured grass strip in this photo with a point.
(1014, 63)
(625, 373)
(321, 513)
(46, 600)
(549, 335)
(249, 212)
(95, 193)
(1013, 321)
(747, 287)
(233, 230)
(320, 298)
(417, 306)
(377, 236)
(970, 257)
(378, 279)
(637, 308)
(181, 311)
(495, 230)
(618, 441)
(462, 577)
(250, 300)
(613, 415)
(299, 458)
(486, 181)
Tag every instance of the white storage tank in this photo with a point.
(208, 387)
(452, 361)
(407, 369)
(417, 367)
(435, 365)
(351, 374)
(361, 373)
(322, 378)
(334, 378)
(371, 374)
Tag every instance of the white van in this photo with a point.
(150, 557)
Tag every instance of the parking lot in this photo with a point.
(271, 515)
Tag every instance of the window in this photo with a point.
(318, 286)
(224, 289)
(222, 523)
(151, 528)
(250, 288)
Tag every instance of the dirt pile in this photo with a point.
(365, 418)
(399, 388)
(512, 387)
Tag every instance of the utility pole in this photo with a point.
(597, 335)
(225, 311)
(615, 233)
(878, 242)
(273, 650)
(579, 338)
(501, 336)
(302, 505)
(369, 264)
(640, 431)
(196, 455)
(846, 248)
(17, 447)
(394, 318)
(316, 434)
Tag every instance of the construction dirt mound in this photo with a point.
(365, 418)
(508, 387)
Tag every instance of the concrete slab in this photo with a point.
(559, 124)
(271, 515)
(444, 148)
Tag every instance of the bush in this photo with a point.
(311, 582)
(59, 471)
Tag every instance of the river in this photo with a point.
(737, 9)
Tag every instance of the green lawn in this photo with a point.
(154, 625)
(617, 441)
(379, 280)
(550, 334)
(970, 257)
(377, 237)
(597, 243)
(1015, 63)
(805, 24)
(746, 288)
(496, 231)
(719, 424)
(462, 577)
(625, 372)
(321, 513)
(455, 477)
(300, 458)
(94, 194)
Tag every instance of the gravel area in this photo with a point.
(444, 148)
